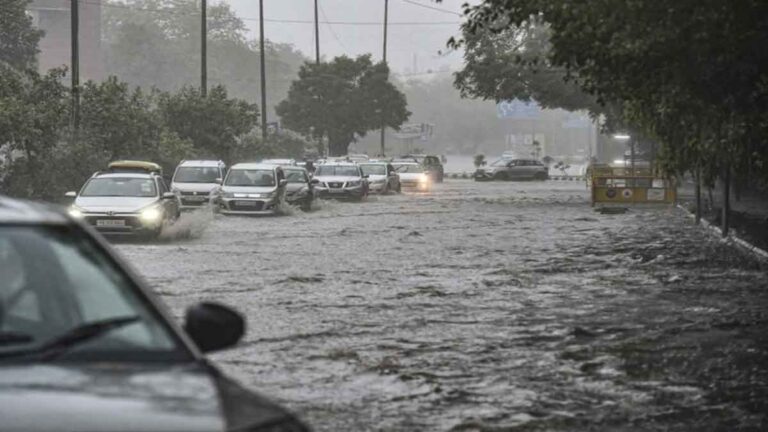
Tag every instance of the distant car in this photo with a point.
(413, 176)
(382, 177)
(86, 346)
(129, 198)
(513, 169)
(432, 164)
(341, 180)
(300, 188)
(196, 180)
(357, 158)
(252, 188)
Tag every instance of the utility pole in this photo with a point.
(384, 57)
(75, 40)
(317, 36)
(204, 49)
(263, 74)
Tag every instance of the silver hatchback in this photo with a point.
(513, 169)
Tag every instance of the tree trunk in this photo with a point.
(338, 144)
(698, 195)
(726, 202)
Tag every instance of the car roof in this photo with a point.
(253, 166)
(406, 162)
(14, 211)
(339, 163)
(201, 163)
(123, 175)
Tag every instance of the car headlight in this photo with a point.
(354, 183)
(424, 178)
(75, 211)
(152, 214)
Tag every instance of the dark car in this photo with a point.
(300, 190)
(85, 346)
(513, 169)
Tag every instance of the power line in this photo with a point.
(333, 33)
(446, 11)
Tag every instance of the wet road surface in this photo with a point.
(493, 306)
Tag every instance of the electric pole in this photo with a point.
(204, 49)
(263, 74)
(317, 36)
(75, 40)
(384, 57)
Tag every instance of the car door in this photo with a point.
(515, 169)
(170, 206)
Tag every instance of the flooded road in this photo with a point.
(493, 306)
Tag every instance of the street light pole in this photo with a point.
(263, 74)
(75, 36)
(204, 49)
(384, 57)
(317, 36)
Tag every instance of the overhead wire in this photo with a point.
(434, 8)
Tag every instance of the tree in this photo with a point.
(18, 39)
(343, 100)
(212, 124)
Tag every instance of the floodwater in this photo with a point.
(491, 306)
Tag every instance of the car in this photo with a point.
(413, 175)
(382, 177)
(128, 198)
(86, 346)
(300, 187)
(195, 181)
(513, 169)
(341, 180)
(252, 188)
(432, 164)
(357, 158)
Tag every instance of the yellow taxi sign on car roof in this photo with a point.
(129, 165)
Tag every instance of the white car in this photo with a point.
(252, 188)
(196, 181)
(341, 180)
(413, 176)
(382, 177)
(129, 198)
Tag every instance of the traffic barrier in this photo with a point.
(623, 185)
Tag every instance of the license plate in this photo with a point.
(110, 222)
(246, 203)
(196, 198)
(339, 190)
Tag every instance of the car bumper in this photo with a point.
(121, 224)
(191, 203)
(418, 186)
(357, 192)
(245, 206)
(377, 187)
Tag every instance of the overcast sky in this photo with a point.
(417, 32)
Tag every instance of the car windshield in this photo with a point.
(374, 169)
(295, 176)
(197, 175)
(338, 171)
(54, 281)
(250, 177)
(501, 163)
(119, 187)
(410, 168)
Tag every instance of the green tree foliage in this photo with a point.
(691, 74)
(343, 100)
(18, 39)
(212, 124)
(156, 43)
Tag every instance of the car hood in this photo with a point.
(411, 176)
(294, 187)
(337, 179)
(249, 189)
(194, 187)
(113, 397)
(115, 204)
(375, 177)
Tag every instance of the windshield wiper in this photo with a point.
(14, 338)
(72, 338)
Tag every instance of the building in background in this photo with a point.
(54, 18)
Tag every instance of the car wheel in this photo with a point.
(501, 176)
(540, 176)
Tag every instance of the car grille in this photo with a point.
(195, 193)
(335, 184)
(259, 206)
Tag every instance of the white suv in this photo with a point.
(195, 180)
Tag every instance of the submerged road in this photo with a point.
(493, 306)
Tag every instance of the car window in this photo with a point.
(338, 170)
(250, 177)
(120, 187)
(373, 169)
(295, 176)
(197, 174)
(54, 281)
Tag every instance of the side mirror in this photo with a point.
(169, 195)
(213, 326)
(219, 180)
(283, 182)
(71, 194)
(365, 176)
(314, 181)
